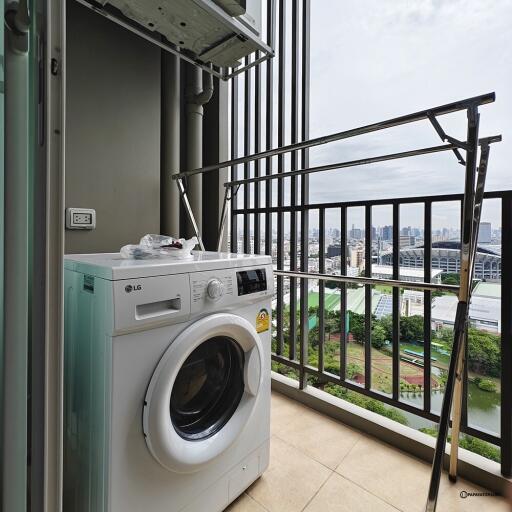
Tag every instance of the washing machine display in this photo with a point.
(208, 388)
(251, 281)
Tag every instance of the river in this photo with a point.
(483, 408)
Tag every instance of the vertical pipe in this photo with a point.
(396, 302)
(16, 298)
(195, 143)
(427, 306)
(170, 145)
(368, 299)
(506, 336)
(197, 95)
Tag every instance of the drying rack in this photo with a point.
(475, 163)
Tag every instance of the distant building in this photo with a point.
(356, 233)
(387, 233)
(405, 273)
(356, 257)
(333, 250)
(485, 233)
(407, 240)
(484, 311)
(446, 257)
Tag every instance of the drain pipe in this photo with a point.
(170, 145)
(198, 94)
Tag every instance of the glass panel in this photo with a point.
(208, 388)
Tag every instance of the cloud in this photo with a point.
(373, 60)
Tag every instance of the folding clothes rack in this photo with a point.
(471, 212)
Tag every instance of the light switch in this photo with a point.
(80, 218)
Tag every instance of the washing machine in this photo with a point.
(167, 381)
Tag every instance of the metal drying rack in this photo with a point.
(476, 169)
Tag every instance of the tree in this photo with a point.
(379, 336)
(357, 326)
(411, 328)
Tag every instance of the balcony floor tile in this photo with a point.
(320, 465)
(291, 480)
(341, 495)
(323, 439)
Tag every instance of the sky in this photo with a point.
(377, 59)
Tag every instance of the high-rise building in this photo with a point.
(387, 233)
(485, 233)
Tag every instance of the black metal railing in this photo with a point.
(286, 351)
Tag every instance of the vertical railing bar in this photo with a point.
(396, 304)
(294, 129)
(321, 289)
(427, 306)
(247, 151)
(506, 336)
(281, 112)
(368, 299)
(343, 293)
(304, 219)
(269, 120)
(234, 154)
(464, 411)
(257, 149)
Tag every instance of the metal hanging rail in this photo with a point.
(472, 205)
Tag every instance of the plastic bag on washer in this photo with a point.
(159, 246)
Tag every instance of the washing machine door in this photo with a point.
(203, 392)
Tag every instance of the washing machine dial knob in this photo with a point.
(215, 289)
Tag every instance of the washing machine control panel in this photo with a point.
(230, 287)
(211, 287)
(215, 289)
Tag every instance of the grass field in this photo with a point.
(382, 369)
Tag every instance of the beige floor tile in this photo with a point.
(244, 503)
(341, 495)
(291, 480)
(388, 473)
(318, 436)
(450, 499)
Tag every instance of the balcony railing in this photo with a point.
(293, 345)
(471, 204)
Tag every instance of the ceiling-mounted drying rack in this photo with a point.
(215, 35)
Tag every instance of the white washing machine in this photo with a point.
(167, 381)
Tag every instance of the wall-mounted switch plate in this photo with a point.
(80, 218)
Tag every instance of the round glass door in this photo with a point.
(203, 391)
(208, 388)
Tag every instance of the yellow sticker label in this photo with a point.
(262, 321)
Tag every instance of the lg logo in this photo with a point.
(132, 288)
